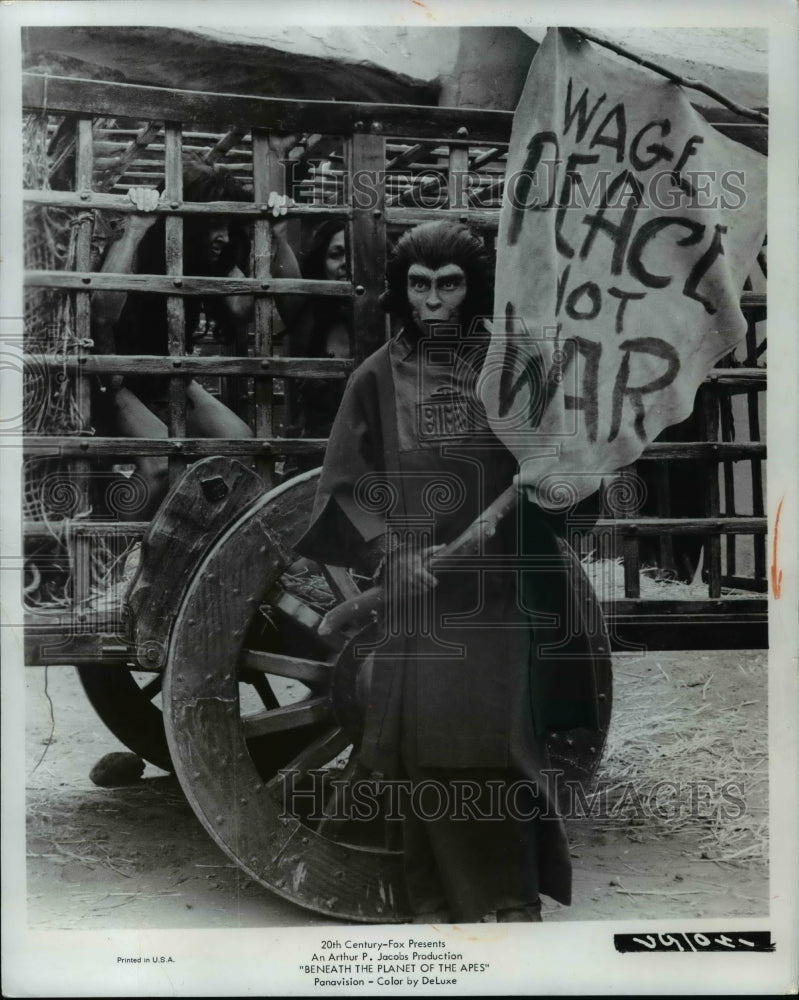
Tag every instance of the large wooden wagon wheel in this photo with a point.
(127, 696)
(252, 610)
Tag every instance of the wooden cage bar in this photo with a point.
(458, 168)
(709, 407)
(80, 468)
(727, 435)
(175, 306)
(264, 180)
(753, 414)
(187, 285)
(367, 232)
(662, 496)
(67, 445)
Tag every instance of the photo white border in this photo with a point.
(555, 958)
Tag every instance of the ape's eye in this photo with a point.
(418, 284)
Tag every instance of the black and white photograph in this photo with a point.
(399, 515)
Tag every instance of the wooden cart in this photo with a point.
(214, 666)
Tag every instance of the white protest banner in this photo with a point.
(627, 229)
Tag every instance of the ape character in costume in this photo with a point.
(454, 693)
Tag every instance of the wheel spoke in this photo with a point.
(340, 582)
(315, 755)
(310, 672)
(301, 713)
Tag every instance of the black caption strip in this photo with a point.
(696, 941)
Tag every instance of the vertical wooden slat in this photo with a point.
(728, 434)
(83, 182)
(758, 494)
(753, 415)
(710, 419)
(632, 577)
(233, 391)
(366, 156)
(83, 248)
(457, 177)
(663, 502)
(264, 172)
(175, 308)
(631, 555)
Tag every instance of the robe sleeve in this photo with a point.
(343, 532)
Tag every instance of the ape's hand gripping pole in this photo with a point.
(352, 615)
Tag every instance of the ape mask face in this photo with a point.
(435, 297)
(439, 273)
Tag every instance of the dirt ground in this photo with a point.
(136, 857)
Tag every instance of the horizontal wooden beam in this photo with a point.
(184, 285)
(80, 528)
(660, 632)
(652, 631)
(758, 585)
(70, 445)
(98, 447)
(206, 285)
(121, 203)
(66, 95)
(279, 367)
(638, 607)
(623, 526)
(722, 451)
(683, 526)
(480, 218)
(749, 378)
(191, 365)
(706, 610)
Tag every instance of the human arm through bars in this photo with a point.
(212, 245)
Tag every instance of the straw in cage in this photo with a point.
(607, 579)
(304, 581)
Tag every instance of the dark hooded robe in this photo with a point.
(458, 691)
